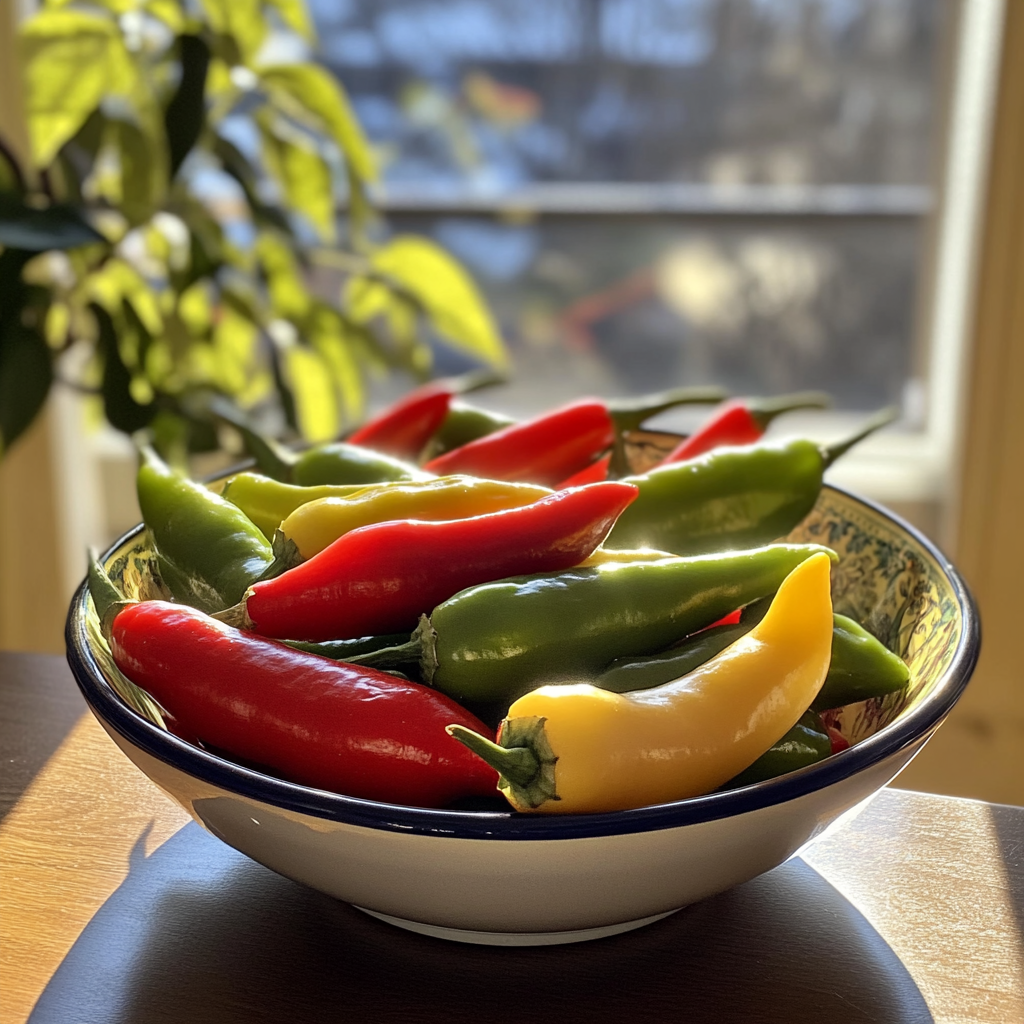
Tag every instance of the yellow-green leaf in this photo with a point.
(365, 299)
(235, 341)
(446, 292)
(242, 20)
(67, 71)
(294, 15)
(117, 282)
(288, 295)
(194, 308)
(315, 401)
(144, 170)
(308, 91)
(340, 346)
(302, 173)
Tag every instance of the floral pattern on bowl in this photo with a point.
(895, 589)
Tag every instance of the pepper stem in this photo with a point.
(387, 658)
(523, 759)
(764, 410)
(882, 418)
(272, 458)
(628, 414)
(107, 598)
(236, 615)
(477, 380)
(286, 556)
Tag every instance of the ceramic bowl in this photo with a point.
(513, 879)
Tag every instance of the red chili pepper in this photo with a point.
(836, 739)
(741, 421)
(381, 578)
(595, 473)
(318, 722)
(727, 620)
(403, 429)
(559, 443)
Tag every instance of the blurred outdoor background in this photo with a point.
(769, 195)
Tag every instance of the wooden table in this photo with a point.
(115, 907)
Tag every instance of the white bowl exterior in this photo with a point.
(517, 885)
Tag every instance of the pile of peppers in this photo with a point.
(449, 607)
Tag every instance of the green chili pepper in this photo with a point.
(464, 423)
(730, 497)
(333, 463)
(624, 675)
(268, 502)
(861, 666)
(341, 463)
(496, 641)
(343, 650)
(208, 551)
(806, 743)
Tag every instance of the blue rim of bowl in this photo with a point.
(916, 723)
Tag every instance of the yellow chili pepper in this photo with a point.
(315, 525)
(579, 749)
(267, 501)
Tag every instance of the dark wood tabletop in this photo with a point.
(116, 907)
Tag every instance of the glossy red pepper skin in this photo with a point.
(741, 421)
(543, 450)
(321, 723)
(733, 424)
(381, 578)
(592, 474)
(404, 428)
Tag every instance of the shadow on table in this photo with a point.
(199, 933)
(1006, 822)
(39, 706)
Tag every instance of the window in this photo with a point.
(652, 192)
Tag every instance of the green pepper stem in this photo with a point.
(519, 765)
(882, 418)
(286, 556)
(477, 380)
(272, 458)
(107, 598)
(764, 410)
(387, 658)
(524, 760)
(628, 414)
(236, 615)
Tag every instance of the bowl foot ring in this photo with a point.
(515, 938)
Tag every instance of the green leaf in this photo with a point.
(25, 378)
(316, 406)
(186, 112)
(241, 21)
(340, 345)
(303, 175)
(306, 91)
(118, 282)
(67, 71)
(236, 164)
(57, 227)
(168, 11)
(294, 15)
(446, 293)
(122, 410)
(143, 170)
(289, 297)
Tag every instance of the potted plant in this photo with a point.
(187, 165)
